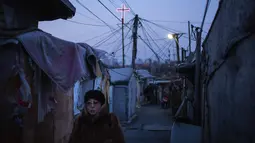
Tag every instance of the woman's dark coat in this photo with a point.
(103, 129)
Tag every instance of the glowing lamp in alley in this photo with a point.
(170, 36)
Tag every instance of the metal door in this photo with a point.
(119, 102)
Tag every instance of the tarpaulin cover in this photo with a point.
(64, 62)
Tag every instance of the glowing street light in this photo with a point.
(176, 37)
(170, 36)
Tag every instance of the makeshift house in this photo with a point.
(37, 89)
(36, 101)
(34, 81)
(123, 91)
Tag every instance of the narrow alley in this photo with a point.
(152, 125)
(127, 71)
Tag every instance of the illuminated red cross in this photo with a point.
(123, 9)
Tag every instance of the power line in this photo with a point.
(160, 26)
(111, 28)
(93, 14)
(167, 29)
(158, 57)
(112, 41)
(87, 16)
(170, 29)
(99, 36)
(153, 31)
(147, 44)
(87, 24)
(159, 39)
(182, 22)
(146, 33)
(106, 39)
(129, 45)
(113, 4)
(112, 12)
(110, 36)
(124, 37)
(167, 45)
(108, 10)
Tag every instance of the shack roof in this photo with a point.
(120, 74)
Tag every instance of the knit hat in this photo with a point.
(96, 95)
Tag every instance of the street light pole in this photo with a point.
(176, 37)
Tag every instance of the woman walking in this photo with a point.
(95, 124)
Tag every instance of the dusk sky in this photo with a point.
(169, 15)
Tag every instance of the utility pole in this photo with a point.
(176, 37)
(134, 52)
(197, 101)
(123, 43)
(189, 37)
(123, 9)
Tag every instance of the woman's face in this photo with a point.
(93, 106)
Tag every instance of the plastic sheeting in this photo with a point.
(64, 62)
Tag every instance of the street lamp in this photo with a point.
(170, 36)
(176, 37)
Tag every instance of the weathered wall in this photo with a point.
(57, 125)
(53, 129)
(230, 65)
(63, 117)
(10, 132)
